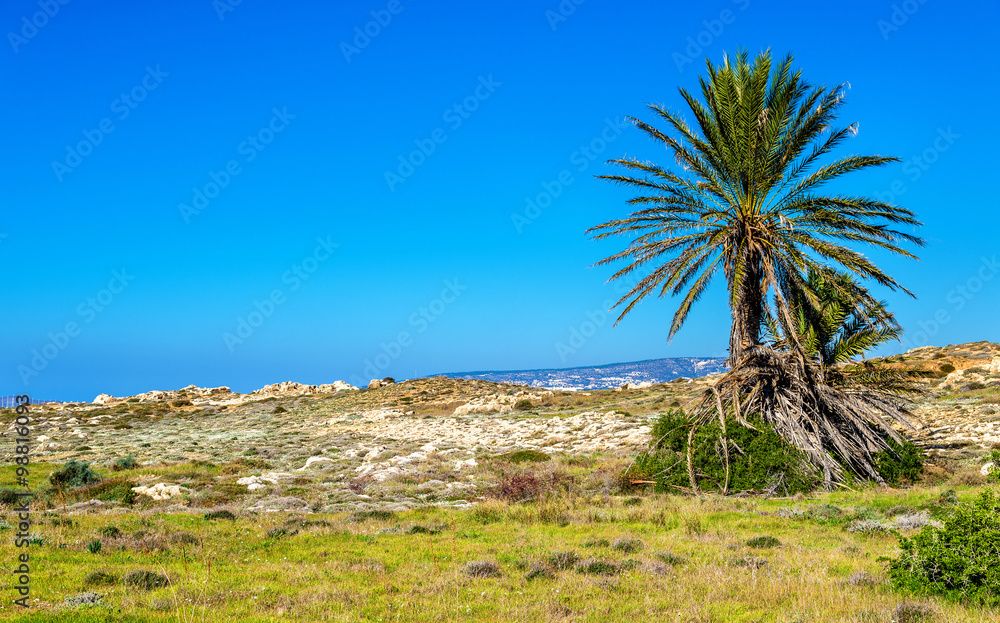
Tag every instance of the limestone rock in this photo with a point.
(160, 491)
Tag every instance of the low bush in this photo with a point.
(758, 459)
(598, 566)
(220, 514)
(563, 560)
(73, 474)
(482, 569)
(523, 405)
(763, 542)
(124, 463)
(957, 560)
(524, 486)
(627, 546)
(901, 463)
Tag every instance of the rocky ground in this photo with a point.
(332, 447)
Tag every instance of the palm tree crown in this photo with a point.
(746, 198)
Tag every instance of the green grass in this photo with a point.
(583, 558)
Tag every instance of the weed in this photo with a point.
(220, 514)
(671, 559)
(145, 580)
(482, 569)
(563, 560)
(94, 546)
(627, 546)
(597, 566)
(99, 578)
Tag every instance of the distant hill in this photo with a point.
(604, 377)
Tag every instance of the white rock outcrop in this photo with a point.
(160, 491)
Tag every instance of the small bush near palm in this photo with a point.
(145, 580)
(902, 463)
(758, 459)
(957, 560)
(763, 542)
(73, 474)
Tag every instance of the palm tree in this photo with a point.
(833, 332)
(746, 198)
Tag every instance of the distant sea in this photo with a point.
(608, 376)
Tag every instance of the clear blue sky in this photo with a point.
(220, 154)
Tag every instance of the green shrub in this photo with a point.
(995, 459)
(597, 566)
(901, 463)
(221, 514)
(280, 409)
(758, 459)
(763, 542)
(118, 491)
(8, 496)
(124, 463)
(523, 405)
(112, 532)
(94, 546)
(957, 560)
(947, 368)
(73, 474)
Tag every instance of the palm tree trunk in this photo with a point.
(747, 315)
